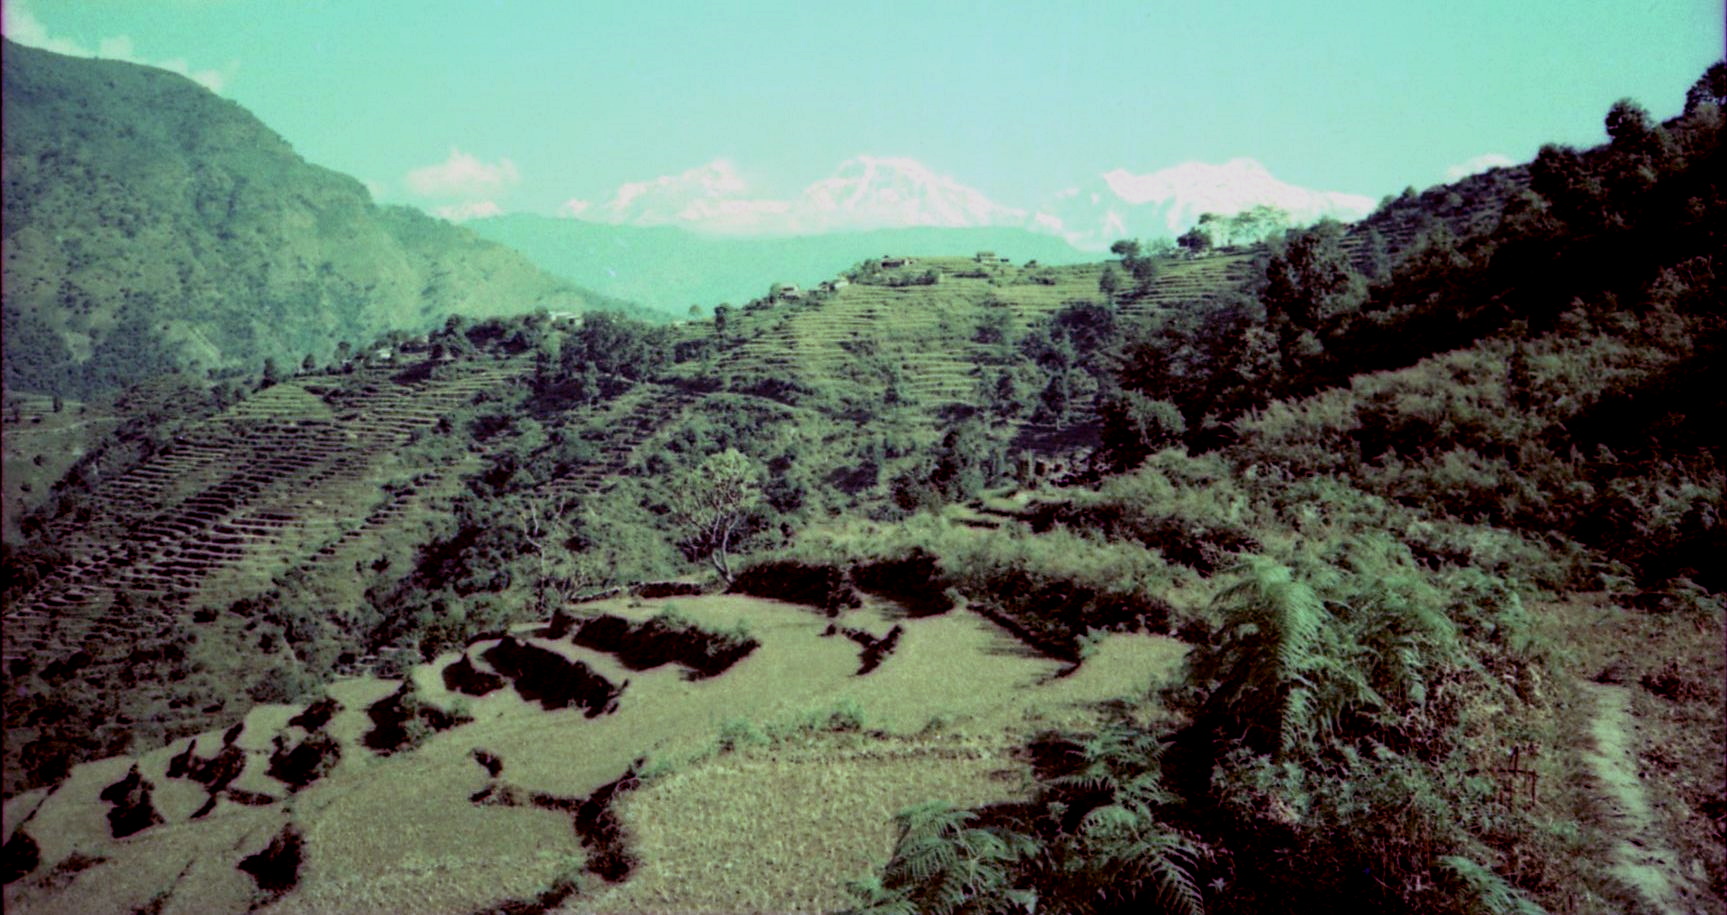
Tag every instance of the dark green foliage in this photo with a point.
(131, 810)
(1310, 284)
(823, 586)
(1488, 892)
(1194, 241)
(967, 461)
(614, 345)
(1199, 543)
(914, 580)
(1140, 264)
(1091, 841)
(544, 676)
(305, 762)
(664, 639)
(215, 772)
(463, 677)
(1266, 661)
(1710, 89)
(1052, 614)
(941, 864)
(20, 857)
(402, 720)
(1326, 707)
(276, 868)
(1595, 226)
(1135, 425)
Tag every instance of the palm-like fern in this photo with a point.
(1121, 763)
(1277, 662)
(1125, 849)
(1404, 636)
(941, 864)
(1116, 845)
(1101, 845)
(1486, 892)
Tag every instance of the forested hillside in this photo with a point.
(152, 226)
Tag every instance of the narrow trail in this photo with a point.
(1641, 859)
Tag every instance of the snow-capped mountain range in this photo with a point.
(869, 192)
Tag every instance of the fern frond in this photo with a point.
(1146, 790)
(1295, 724)
(918, 859)
(1177, 891)
(1111, 819)
(1489, 892)
(1086, 782)
(1166, 861)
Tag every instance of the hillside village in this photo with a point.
(1368, 566)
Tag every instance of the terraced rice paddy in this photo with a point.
(473, 816)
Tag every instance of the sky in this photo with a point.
(525, 105)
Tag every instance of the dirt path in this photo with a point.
(1641, 858)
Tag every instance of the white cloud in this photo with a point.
(461, 212)
(865, 192)
(1477, 165)
(1125, 204)
(876, 192)
(464, 177)
(117, 47)
(22, 26)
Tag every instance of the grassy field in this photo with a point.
(791, 740)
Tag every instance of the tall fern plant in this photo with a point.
(1096, 844)
(1279, 670)
(942, 864)
(1109, 846)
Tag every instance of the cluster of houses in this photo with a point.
(791, 292)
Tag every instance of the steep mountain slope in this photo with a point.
(151, 225)
(670, 268)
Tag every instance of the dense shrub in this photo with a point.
(914, 581)
(810, 584)
(667, 638)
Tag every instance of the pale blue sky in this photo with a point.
(1018, 99)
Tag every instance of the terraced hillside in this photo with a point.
(312, 480)
(928, 344)
(513, 769)
(328, 483)
(245, 492)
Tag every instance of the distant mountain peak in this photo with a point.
(863, 192)
(867, 192)
(1167, 202)
(882, 192)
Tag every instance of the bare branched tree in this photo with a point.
(712, 505)
(561, 573)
